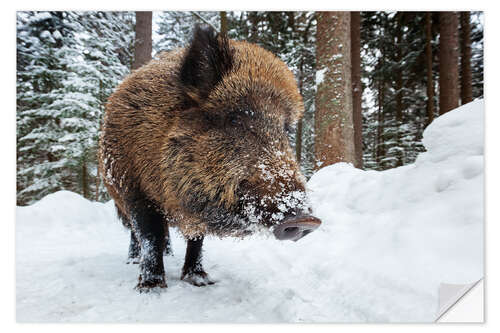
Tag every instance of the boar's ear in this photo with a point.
(208, 58)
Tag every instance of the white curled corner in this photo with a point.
(461, 302)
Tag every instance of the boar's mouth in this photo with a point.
(288, 219)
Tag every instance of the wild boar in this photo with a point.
(197, 139)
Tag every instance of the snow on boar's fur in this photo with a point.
(197, 139)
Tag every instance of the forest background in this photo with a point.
(371, 82)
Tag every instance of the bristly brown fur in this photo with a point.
(158, 134)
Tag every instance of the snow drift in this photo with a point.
(387, 241)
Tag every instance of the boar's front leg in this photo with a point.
(192, 271)
(148, 225)
(134, 249)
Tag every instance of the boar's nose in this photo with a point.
(296, 227)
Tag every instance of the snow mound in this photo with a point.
(456, 134)
(387, 241)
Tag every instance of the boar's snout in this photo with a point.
(296, 227)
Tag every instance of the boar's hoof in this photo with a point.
(198, 279)
(150, 285)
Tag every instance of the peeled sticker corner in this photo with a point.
(451, 295)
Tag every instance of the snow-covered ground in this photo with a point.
(387, 241)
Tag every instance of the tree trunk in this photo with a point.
(465, 48)
(143, 41)
(334, 129)
(85, 182)
(97, 184)
(399, 88)
(223, 23)
(102, 103)
(357, 89)
(254, 19)
(380, 125)
(448, 62)
(428, 56)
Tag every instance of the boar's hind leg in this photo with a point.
(192, 271)
(134, 249)
(148, 224)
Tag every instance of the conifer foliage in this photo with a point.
(401, 75)
(68, 64)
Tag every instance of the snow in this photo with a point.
(387, 241)
(320, 76)
(46, 35)
(57, 35)
(40, 16)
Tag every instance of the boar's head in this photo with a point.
(229, 153)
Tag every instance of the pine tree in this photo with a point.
(448, 62)
(44, 41)
(107, 54)
(143, 48)
(301, 58)
(429, 70)
(175, 28)
(223, 23)
(477, 47)
(393, 61)
(465, 59)
(333, 123)
(357, 89)
(69, 63)
(399, 151)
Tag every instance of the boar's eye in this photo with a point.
(233, 119)
(288, 128)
